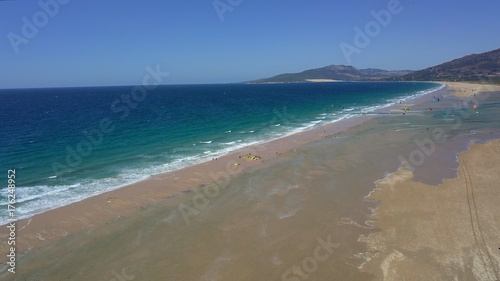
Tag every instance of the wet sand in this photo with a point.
(447, 231)
(49, 226)
(296, 214)
(443, 232)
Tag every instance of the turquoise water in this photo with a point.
(67, 144)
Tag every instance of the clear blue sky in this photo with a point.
(111, 42)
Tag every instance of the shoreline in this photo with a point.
(43, 228)
(465, 90)
(437, 232)
(122, 201)
(379, 108)
(346, 81)
(82, 216)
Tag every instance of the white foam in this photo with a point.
(41, 198)
(367, 225)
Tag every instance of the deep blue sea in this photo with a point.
(67, 144)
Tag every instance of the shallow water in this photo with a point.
(68, 144)
(268, 224)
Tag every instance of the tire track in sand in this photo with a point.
(469, 188)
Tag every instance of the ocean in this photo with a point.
(67, 144)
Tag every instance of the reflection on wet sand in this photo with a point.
(296, 219)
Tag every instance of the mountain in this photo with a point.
(476, 67)
(335, 72)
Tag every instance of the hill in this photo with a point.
(335, 72)
(484, 67)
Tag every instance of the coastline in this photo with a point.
(465, 90)
(251, 147)
(43, 228)
(443, 232)
(82, 215)
(128, 202)
(88, 180)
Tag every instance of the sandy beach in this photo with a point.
(439, 232)
(465, 90)
(443, 232)
(236, 218)
(322, 80)
(80, 216)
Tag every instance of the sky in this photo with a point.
(65, 43)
